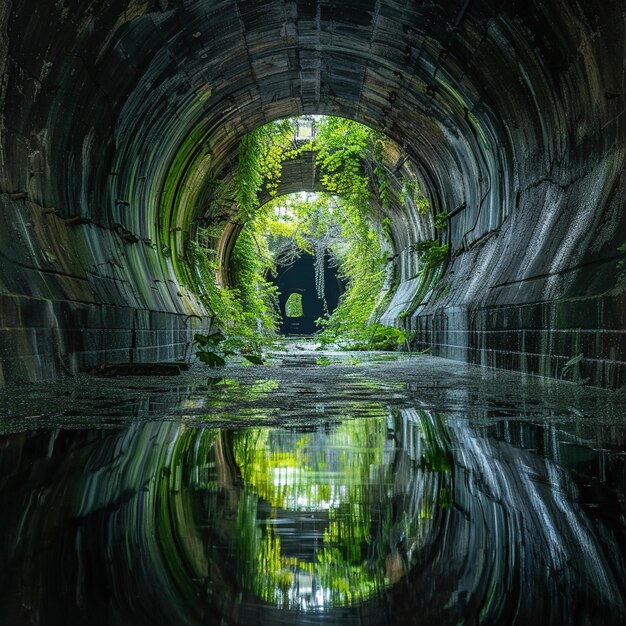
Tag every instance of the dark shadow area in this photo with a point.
(299, 278)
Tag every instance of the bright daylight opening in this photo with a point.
(331, 242)
(293, 306)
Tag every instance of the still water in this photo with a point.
(370, 493)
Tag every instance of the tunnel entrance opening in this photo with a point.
(353, 179)
(293, 305)
(299, 301)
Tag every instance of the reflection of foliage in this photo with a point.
(366, 541)
(438, 457)
(375, 498)
(308, 477)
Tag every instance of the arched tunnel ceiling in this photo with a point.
(124, 101)
(122, 88)
(117, 118)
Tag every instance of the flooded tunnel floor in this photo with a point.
(344, 488)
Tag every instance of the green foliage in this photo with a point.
(278, 147)
(351, 159)
(261, 155)
(411, 192)
(364, 272)
(258, 297)
(214, 348)
(432, 257)
(379, 337)
(248, 178)
(441, 220)
(341, 148)
(431, 254)
(207, 348)
(384, 188)
(293, 306)
(246, 314)
(202, 267)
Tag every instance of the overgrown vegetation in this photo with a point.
(341, 221)
(432, 256)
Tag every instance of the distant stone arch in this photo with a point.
(299, 278)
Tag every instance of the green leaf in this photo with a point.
(253, 358)
(215, 338)
(201, 340)
(211, 359)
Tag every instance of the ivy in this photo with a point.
(260, 161)
(353, 172)
(441, 220)
(384, 187)
(412, 193)
(248, 178)
(431, 254)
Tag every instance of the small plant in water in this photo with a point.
(213, 350)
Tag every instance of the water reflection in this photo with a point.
(329, 518)
(413, 518)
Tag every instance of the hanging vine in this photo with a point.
(340, 222)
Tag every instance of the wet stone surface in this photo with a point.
(363, 488)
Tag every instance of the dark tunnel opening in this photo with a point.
(299, 278)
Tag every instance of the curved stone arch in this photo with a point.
(117, 117)
(302, 174)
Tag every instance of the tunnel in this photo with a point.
(117, 119)
(299, 278)
(474, 474)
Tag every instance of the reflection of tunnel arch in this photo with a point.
(299, 277)
(168, 533)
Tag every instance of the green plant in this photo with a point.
(214, 348)
(411, 191)
(261, 155)
(207, 348)
(380, 337)
(431, 254)
(344, 221)
(441, 220)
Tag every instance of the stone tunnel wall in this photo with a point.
(117, 119)
(538, 285)
(70, 299)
